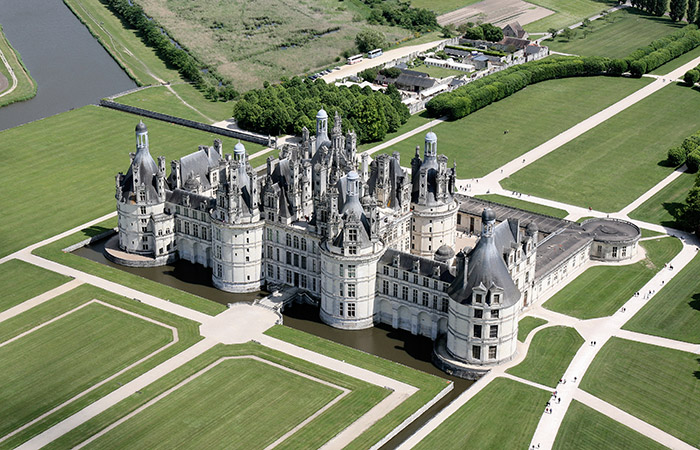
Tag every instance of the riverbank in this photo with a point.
(18, 85)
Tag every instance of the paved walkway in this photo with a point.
(10, 71)
(406, 135)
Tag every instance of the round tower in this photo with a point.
(434, 218)
(349, 263)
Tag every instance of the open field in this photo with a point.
(429, 385)
(160, 99)
(614, 163)
(54, 252)
(526, 325)
(442, 6)
(139, 61)
(21, 281)
(616, 36)
(660, 207)
(503, 415)
(527, 206)
(550, 353)
(231, 402)
(656, 384)
(567, 12)
(438, 72)
(81, 151)
(601, 290)
(674, 312)
(265, 40)
(362, 397)
(478, 143)
(585, 428)
(58, 361)
(26, 86)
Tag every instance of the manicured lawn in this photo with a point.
(439, 72)
(429, 385)
(567, 12)
(54, 252)
(26, 86)
(414, 121)
(478, 142)
(442, 6)
(550, 353)
(230, 403)
(676, 63)
(661, 207)
(62, 359)
(656, 384)
(362, 398)
(72, 158)
(21, 281)
(527, 206)
(113, 339)
(616, 36)
(122, 42)
(648, 233)
(503, 415)
(611, 165)
(601, 290)
(674, 312)
(161, 99)
(585, 428)
(526, 325)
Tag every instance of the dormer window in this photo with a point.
(352, 235)
(142, 196)
(495, 298)
(478, 298)
(352, 250)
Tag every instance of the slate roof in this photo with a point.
(423, 82)
(146, 175)
(426, 267)
(558, 247)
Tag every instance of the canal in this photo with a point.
(69, 66)
(395, 345)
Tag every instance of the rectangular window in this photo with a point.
(351, 271)
(385, 287)
(270, 270)
(476, 352)
(405, 276)
(396, 290)
(289, 276)
(187, 228)
(614, 252)
(269, 235)
(288, 240)
(477, 331)
(426, 282)
(341, 308)
(351, 309)
(478, 313)
(404, 292)
(385, 270)
(496, 298)
(415, 279)
(425, 299)
(341, 271)
(492, 352)
(303, 262)
(478, 298)
(219, 270)
(623, 252)
(341, 290)
(144, 229)
(396, 273)
(204, 233)
(303, 281)
(303, 244)
(145, 246)
(445, 305)
(351, 289)
(195, 229)
(352, 234)
(218, 251)
(296, 260)
(296, 241)
(289, 258)
(493, 331)
(494, 313)
(143, 210)
(278, 255)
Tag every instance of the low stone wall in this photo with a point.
(269, 141)
(88, 241)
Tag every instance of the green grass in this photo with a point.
(80, 152)
(527, 206)
(658, 385)
(503, 415)
(662, 206)
(526, 325)
(442, 6)
(414, 121)
(362, 398)
(614, 163)
(429, 385)
(439, 72)
(478, 143)
(139, 61)
(21, 281)
(585, 428)
(674, 312)
(676, 63)
(602, 290)
(567, 12)
(161, 99)
(616, 36)
(550, 353)
(231, 402)
(26, 86)
(648, 233)
(54, 252)
(56, 362)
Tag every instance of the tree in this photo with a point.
(474, 33)
(691, 12)
(567, 33)
(367, 40)
(659, 7)
(693, 161)
(678, 9)
(492, 33)
(553, 32)
(676, 156)
(368, 74)
(391, 72)
(691, 210)
(691, 77)
(586, 22)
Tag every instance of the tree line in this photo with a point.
(477, 94)
(401, 14)
(677, 9)
(291, 105)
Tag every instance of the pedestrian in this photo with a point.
(523, 160)
(574, 379)
(558, 400)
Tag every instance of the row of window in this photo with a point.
(477, 331)
(406, 276)
(291, 258)
(476, 351)
(191, 229)
(441, 304)
(197, 215)
(346, 309)
(291, 278)
(291, 240)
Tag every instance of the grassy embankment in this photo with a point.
(26, 86)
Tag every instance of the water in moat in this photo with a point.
(395, 345)
(69, 66)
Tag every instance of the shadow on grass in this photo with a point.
(94, 231)
(695, 302)
(697, 372)
(675, 209)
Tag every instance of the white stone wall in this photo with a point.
(292, 257)
(557, 278)
(606, 251)
(461, 338)
(159, 234)
(431, 227)
(236, 255)
(348, 285)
